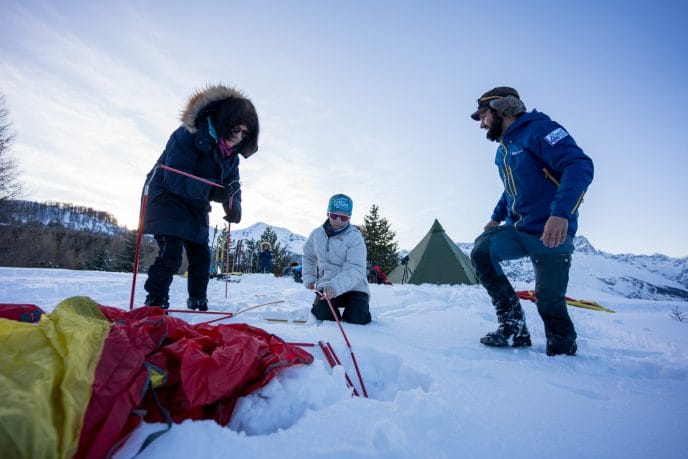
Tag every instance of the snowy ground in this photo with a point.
(435, 391)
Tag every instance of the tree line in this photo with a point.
(26, 242)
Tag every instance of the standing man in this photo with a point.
(545, 176)
(334, 261)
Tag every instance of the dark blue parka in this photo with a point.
(544, 173)
(178, 205)
(265, 261)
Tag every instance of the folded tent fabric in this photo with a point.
(46, 376)
(120, 357)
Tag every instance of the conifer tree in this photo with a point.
(99, 258)
(124, 260)
(379, 240)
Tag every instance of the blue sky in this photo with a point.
(368, 98)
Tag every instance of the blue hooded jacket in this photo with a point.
(544, 173)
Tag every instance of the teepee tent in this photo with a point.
(435, 260)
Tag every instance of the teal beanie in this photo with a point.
(340, 204)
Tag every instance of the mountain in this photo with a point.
(69, 216)
(650, 277)
(292, 242)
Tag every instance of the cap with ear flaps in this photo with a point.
(503, 99)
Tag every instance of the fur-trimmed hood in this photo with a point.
(201, 99)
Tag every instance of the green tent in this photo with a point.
(435, 260)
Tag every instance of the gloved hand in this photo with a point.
(328, 292)
(232, 214)
(219, 194)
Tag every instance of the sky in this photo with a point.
(367, 98)
(433, 390)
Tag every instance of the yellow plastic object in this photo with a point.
(46, 377)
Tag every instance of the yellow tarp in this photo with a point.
(46, 374)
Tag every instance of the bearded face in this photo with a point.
(496, 128)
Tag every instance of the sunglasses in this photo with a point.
(340, 217)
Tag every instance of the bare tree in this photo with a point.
(10, 188)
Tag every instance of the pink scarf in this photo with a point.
(225, 149)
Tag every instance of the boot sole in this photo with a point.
(491, 343)
(518, 342)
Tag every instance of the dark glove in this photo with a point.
(233, 214)
(219, 194)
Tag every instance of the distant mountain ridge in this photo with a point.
(80, 218)
(653, 277)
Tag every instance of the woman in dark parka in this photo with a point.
(265, 258)
(218, 125)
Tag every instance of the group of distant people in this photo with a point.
(544, 172)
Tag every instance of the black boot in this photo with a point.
(557, 345)
(512, 323)
(163, 302)
(197, 303)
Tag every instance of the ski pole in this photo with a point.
(230, 205)
(227, 256)
(346, 339)
(137, 252)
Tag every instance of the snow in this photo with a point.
(435, 391)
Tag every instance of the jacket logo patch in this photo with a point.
(555, 136)
(517, 152)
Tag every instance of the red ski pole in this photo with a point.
(137, 252)
(346, 339)
(144, 201)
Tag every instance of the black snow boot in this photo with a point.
(162, 302)
(558, 345)
(197, 303)
(512, 324)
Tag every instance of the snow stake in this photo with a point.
(333, 361)
(346, 339)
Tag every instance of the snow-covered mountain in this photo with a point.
(651, 277)
(70, 216)
(292, 242)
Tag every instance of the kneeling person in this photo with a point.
(334, 260)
